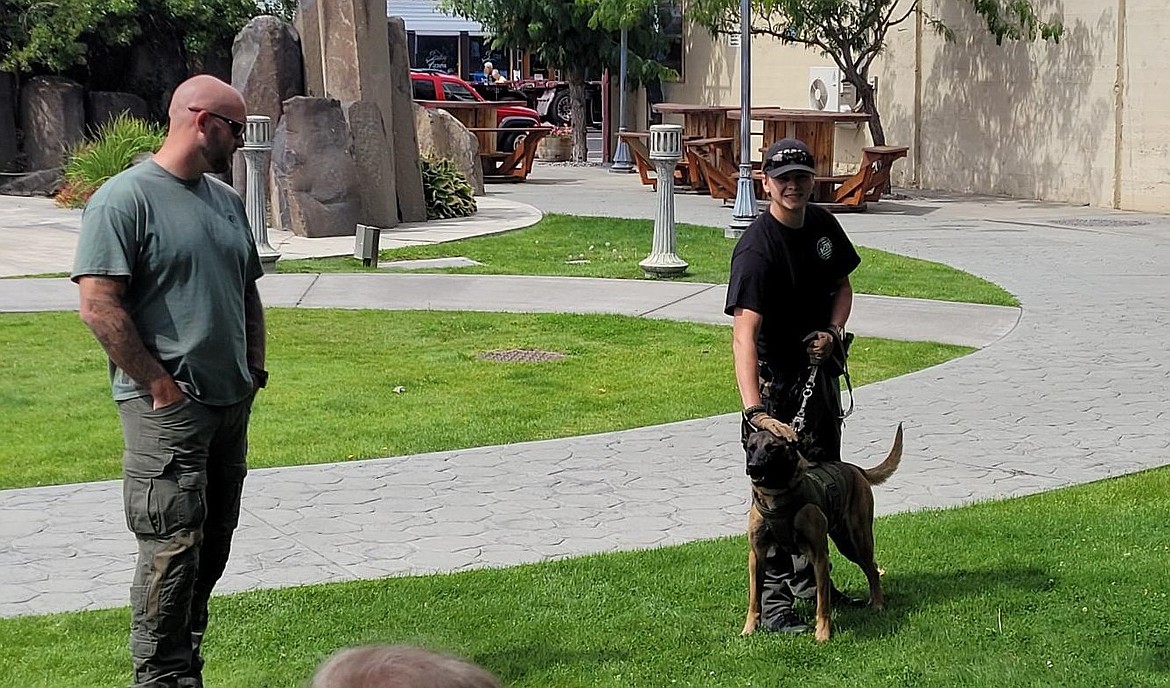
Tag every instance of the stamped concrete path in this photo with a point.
(1076, 391)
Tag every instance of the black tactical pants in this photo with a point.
(183, 473)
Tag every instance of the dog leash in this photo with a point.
(806, 394)
(798, 419)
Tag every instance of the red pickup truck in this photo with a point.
(432, 85)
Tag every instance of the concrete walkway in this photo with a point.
(1076, 391)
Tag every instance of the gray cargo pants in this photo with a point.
(183, 473)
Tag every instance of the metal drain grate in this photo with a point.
(521, 356)
(1099, 222)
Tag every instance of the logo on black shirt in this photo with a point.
(825, 248)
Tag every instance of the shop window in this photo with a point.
(440, 53)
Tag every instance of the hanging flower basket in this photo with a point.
(557, 146)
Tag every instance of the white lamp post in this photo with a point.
(744, 210)
(665, 152)
(257, 147)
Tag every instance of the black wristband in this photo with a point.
(753, 410)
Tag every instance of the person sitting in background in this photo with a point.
(400, 666)
(487, 72)
(498, 78)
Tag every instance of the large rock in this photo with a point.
(368, 139)
(8, 147)
(52, 118)
(315, 180)
(354, 65)
(106, 105)
(267, 70)
(308, 28)
(412, 206)
(443, 136)
(39, 183)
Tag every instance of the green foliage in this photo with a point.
(448, 194)
(853, 32)
(108, 153)
(52, 37)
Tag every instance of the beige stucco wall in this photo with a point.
(711, 76)
(1039, 120)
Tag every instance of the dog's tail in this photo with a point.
(881, 472)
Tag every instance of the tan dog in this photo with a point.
(798, 505)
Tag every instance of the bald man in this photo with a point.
(167, 269)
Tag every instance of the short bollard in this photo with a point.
(665, 151)
(365, 245)
(257, 147)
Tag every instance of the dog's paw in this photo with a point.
(749, 627)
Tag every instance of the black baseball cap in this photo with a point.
(788, 155)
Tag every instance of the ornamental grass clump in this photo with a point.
(448, 194)
(111, 150)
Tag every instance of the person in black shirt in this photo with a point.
(790, 296)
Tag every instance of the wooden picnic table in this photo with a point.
(473, 114)
(817, 128)
(700, 121)
(512, 165)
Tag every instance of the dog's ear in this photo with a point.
(802, 464)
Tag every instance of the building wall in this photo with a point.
(1029, 120)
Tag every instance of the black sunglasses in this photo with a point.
(790, 156)
(237, 127)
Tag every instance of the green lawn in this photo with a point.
(334, 374)
(613, 248)
(1067, 588)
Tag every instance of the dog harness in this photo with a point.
(821, 485)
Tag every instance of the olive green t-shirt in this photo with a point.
(187, 253)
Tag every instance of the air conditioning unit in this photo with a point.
(828, 90)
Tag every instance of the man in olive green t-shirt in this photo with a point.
(167, 270)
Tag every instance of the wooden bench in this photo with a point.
(712, 162)
(636, 142)
(871, 180)
(507, 166)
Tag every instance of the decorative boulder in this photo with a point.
(267, 69)
(368, 138)
(315, 180)
(52, 117)
(8, 148)
(441, 135)
(412, 206)
(39, 183)
(106, 105)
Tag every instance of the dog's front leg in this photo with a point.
(813, 527)
(755, 535)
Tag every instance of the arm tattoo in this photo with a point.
(115, 331)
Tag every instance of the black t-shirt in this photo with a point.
(789, 277)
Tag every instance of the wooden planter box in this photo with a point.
(555, 148)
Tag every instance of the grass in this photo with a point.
(334, 373)
(1066, 588)
(613, 248)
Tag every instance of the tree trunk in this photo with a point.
(869, 105)
(580, 120)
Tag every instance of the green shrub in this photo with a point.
(447, 192)
(109, 152)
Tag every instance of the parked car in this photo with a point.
(433, 85)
